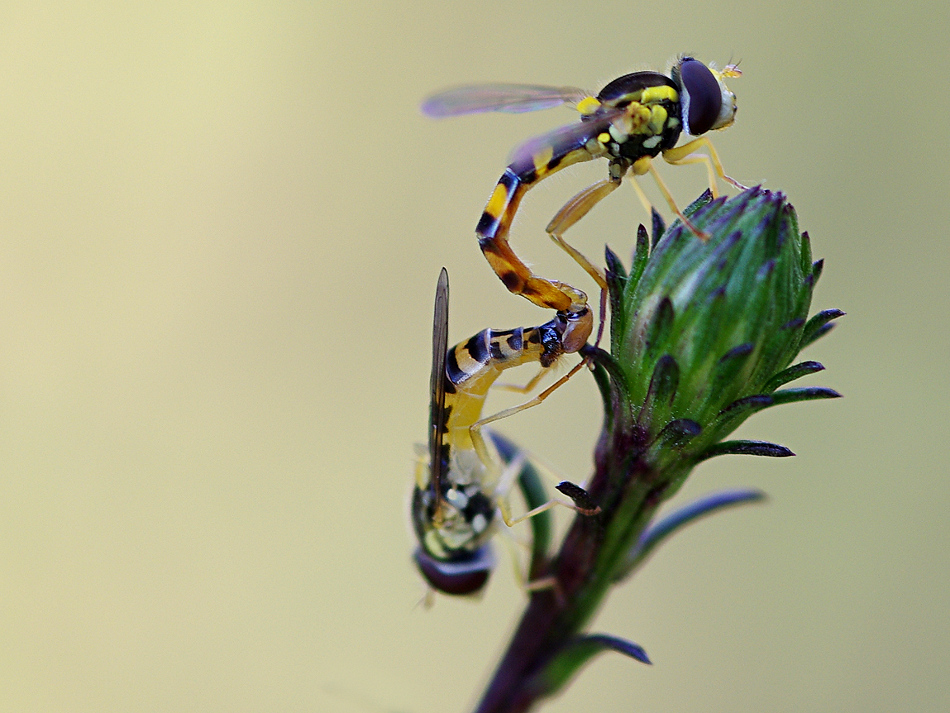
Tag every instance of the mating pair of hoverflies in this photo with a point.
(460, 487)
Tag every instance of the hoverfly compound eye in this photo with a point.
(702, 96)
(457, 578)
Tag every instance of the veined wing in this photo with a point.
(440, 347)
(562, 140)
(509, 98)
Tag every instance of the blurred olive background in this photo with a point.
(220, 231)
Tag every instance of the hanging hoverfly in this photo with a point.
(633, 119)
(458, 490)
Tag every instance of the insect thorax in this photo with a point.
(652, 122)
(465, 518)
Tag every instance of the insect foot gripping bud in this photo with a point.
(703, 335)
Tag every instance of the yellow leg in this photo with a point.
(478, 440)
(534, 585)
(477, 426)
(647, 205)
(679, 214)
(510, 522)
(527, 388)
(680, 155)
(506, 483)
(575, 209)
(710, 171)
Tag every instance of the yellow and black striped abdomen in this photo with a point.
(523, 174)
(493, 227)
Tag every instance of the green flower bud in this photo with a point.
(703, 331)
(703, 335)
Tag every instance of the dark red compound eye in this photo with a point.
(456, 578)
(702, 96)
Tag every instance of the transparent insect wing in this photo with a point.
(563, 139)
(440, 346)
(508, 98)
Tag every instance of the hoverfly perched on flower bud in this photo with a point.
(631, 121)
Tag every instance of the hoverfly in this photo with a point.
(458, 492)
(633, 119)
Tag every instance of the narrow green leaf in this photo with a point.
(613, 263)
(808, 393)
(617, 284)
(796, 371)
(741, 409)
(806, 254)
(676, 434)
(818, 325)
(745, 448)
(818, 334)
(659, 329)
(705, 198)
(576, 653)
(641, 255)
(738, 411)
(616, 278)
(661, 530)
(611, 382)
(662, 390)
(726, 371)
(659, 228)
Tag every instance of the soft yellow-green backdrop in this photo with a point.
(220, 229)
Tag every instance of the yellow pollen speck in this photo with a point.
(603, 137)
(496, 204)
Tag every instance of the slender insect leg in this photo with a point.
(478, 425)
(575, 209)
(644, 201)
(580, 501)
(710, 171)
(530, 585)
(679, 155)
(478, 440)
(511, 522)
(519, 279)
(679, 214)
(528, 387)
